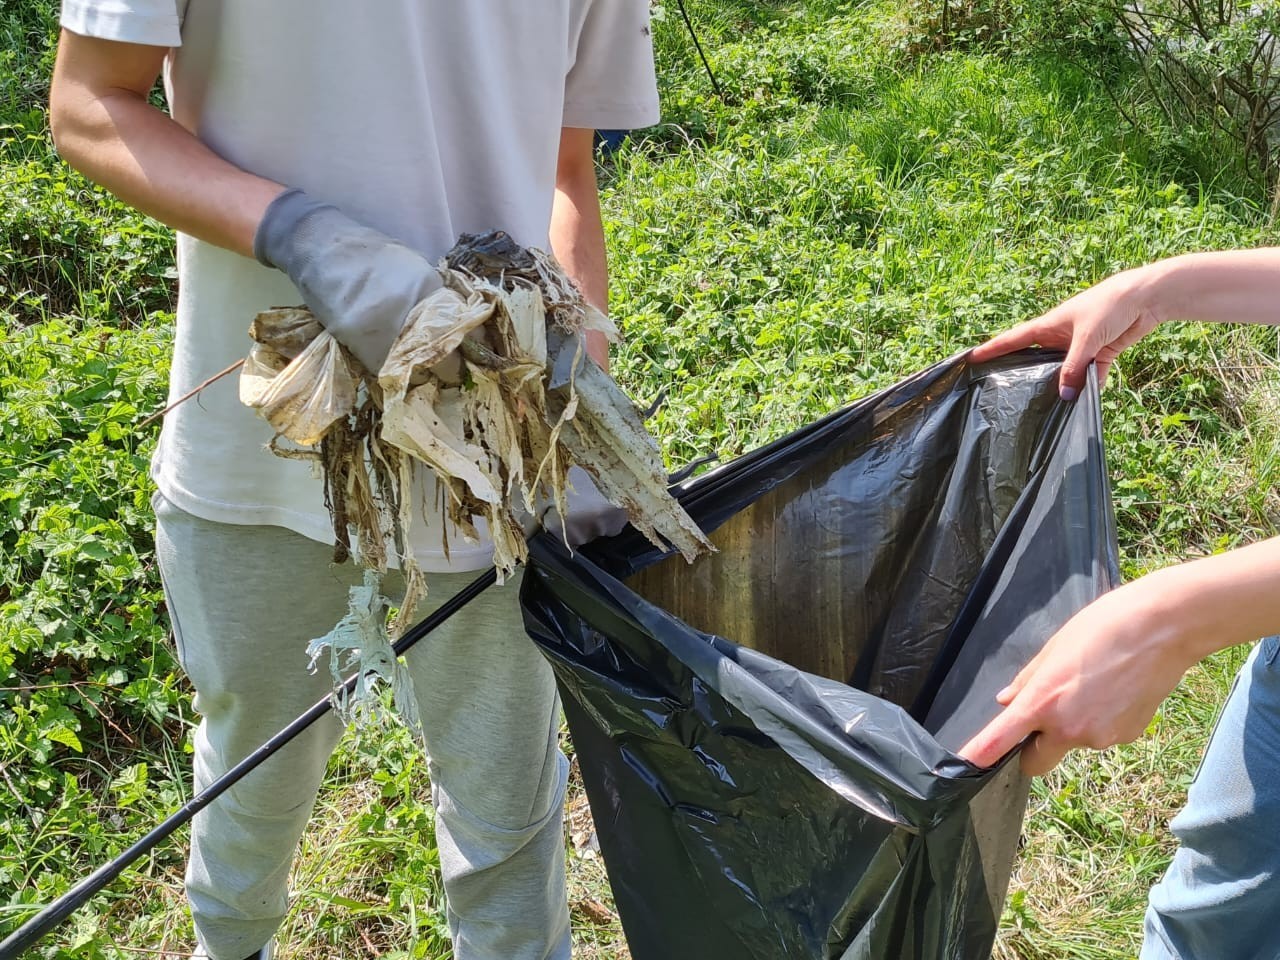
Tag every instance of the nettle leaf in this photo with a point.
(95, 550)
(130, 785)
(65, 736)
(152, 695)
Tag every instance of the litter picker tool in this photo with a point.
(55, 913)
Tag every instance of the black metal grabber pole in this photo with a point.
(52, 915)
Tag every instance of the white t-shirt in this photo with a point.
(422, 118)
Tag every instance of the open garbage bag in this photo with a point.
(766, 736)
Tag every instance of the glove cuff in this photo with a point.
(275, 240)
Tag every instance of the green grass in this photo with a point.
(860, 205)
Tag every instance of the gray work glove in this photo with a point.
(360, 283)
(590, 514)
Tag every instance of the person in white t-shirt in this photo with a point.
(326, 153)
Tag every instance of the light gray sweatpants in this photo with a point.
(244, 601)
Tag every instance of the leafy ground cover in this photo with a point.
(863, 201)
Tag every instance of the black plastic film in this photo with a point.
(767, 735)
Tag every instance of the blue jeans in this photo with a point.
(1220, 899)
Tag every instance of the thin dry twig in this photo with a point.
(185, 397)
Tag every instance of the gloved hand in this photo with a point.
(590, 514)
(360, 283)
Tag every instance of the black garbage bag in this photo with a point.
(766, 736)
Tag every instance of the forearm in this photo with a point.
(1235, 286)
(577, 234)
(577, 238)
(1101, 677)
(116, 138)
(1223, 600)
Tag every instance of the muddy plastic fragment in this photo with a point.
(303, 397)
(362, 637)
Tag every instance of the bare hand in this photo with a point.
(1094, 325)
(1097, 682)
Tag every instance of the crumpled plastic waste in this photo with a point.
(489, 386)
(362, 635)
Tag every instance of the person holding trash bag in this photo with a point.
(1099, 680)
(323, 153)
